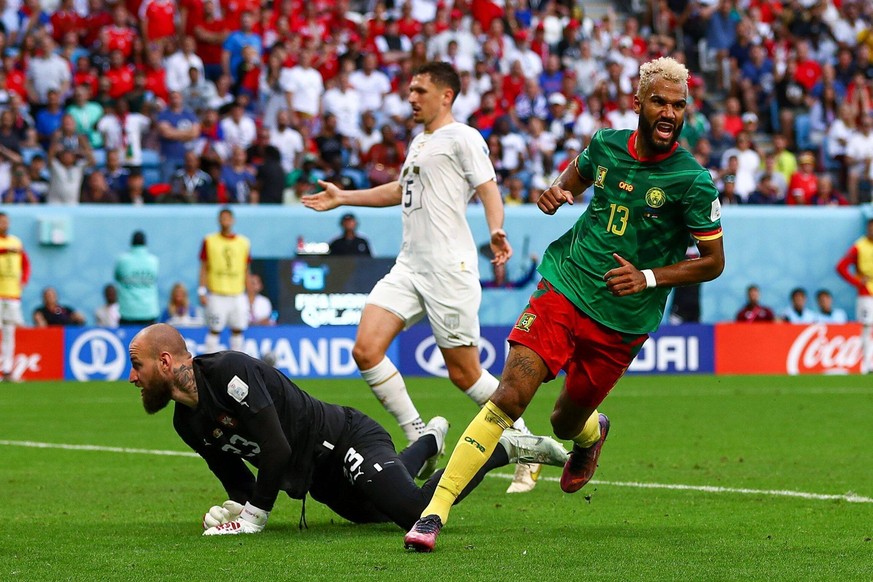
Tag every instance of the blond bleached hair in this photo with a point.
(666, 68)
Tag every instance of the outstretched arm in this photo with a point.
(385, 195)
(489, 194)
(626, 279)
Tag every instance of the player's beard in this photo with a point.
(156, 399)
(653, 142)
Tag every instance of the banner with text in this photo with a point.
(95, 353)
(681, 349)
(743, 348)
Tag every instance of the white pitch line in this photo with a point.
(37, 445)
(848, 497)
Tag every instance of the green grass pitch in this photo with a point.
(772, 479)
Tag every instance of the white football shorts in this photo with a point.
(449, 299)
(227, 311)
(10, 312)
(864, 309)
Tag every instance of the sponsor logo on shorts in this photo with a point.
(601, 177)
(525, 321)
(453, 321)
(473, 442)
(655, 197)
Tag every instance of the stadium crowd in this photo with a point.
(232, 101)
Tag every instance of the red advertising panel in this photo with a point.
(764, 348)
(39, 353)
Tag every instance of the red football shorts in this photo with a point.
(593, 356)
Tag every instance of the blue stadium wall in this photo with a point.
(74, 248)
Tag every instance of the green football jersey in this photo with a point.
(643, 210)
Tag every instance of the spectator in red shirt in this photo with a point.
(808, 70)
(15, 78)
(156, 75)
(210, 33)
(753, 311)
(406, 24)
(157, 20)
(65, 19)
(98, 17)
(733, 117)
(119, 36)
(804, 184)
(120, 75)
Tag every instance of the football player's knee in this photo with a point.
(365, 356)
(463, 378)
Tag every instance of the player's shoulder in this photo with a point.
(456, 129)
(223, 366)
(612, 137)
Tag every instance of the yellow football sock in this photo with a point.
(473, 449)
(590, 432)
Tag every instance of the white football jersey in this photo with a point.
(440, 175)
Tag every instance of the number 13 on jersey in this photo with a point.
(618, 216)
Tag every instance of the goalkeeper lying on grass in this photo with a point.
(232, 408)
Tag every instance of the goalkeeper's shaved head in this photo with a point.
(159, 338)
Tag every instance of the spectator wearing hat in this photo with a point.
(728, 191)
(803, 184)
(531, 62)
(560, 120)
(136, 272)
(349, 243)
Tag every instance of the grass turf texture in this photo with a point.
(89, 515)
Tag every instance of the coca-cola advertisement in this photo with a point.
(39, 354)
(742, 348)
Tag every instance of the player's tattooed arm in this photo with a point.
(183, 375)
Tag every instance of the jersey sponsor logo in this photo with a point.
(525, 321)
(237, 389)
(430, 359)
(626, 186)
(715, 212)
(227, 420)
(97, 354)
(655, 197)
(600, 177)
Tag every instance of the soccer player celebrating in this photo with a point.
(224, 268)
(436, 273)
(232, 408)
(14, 273)
(605, 284)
